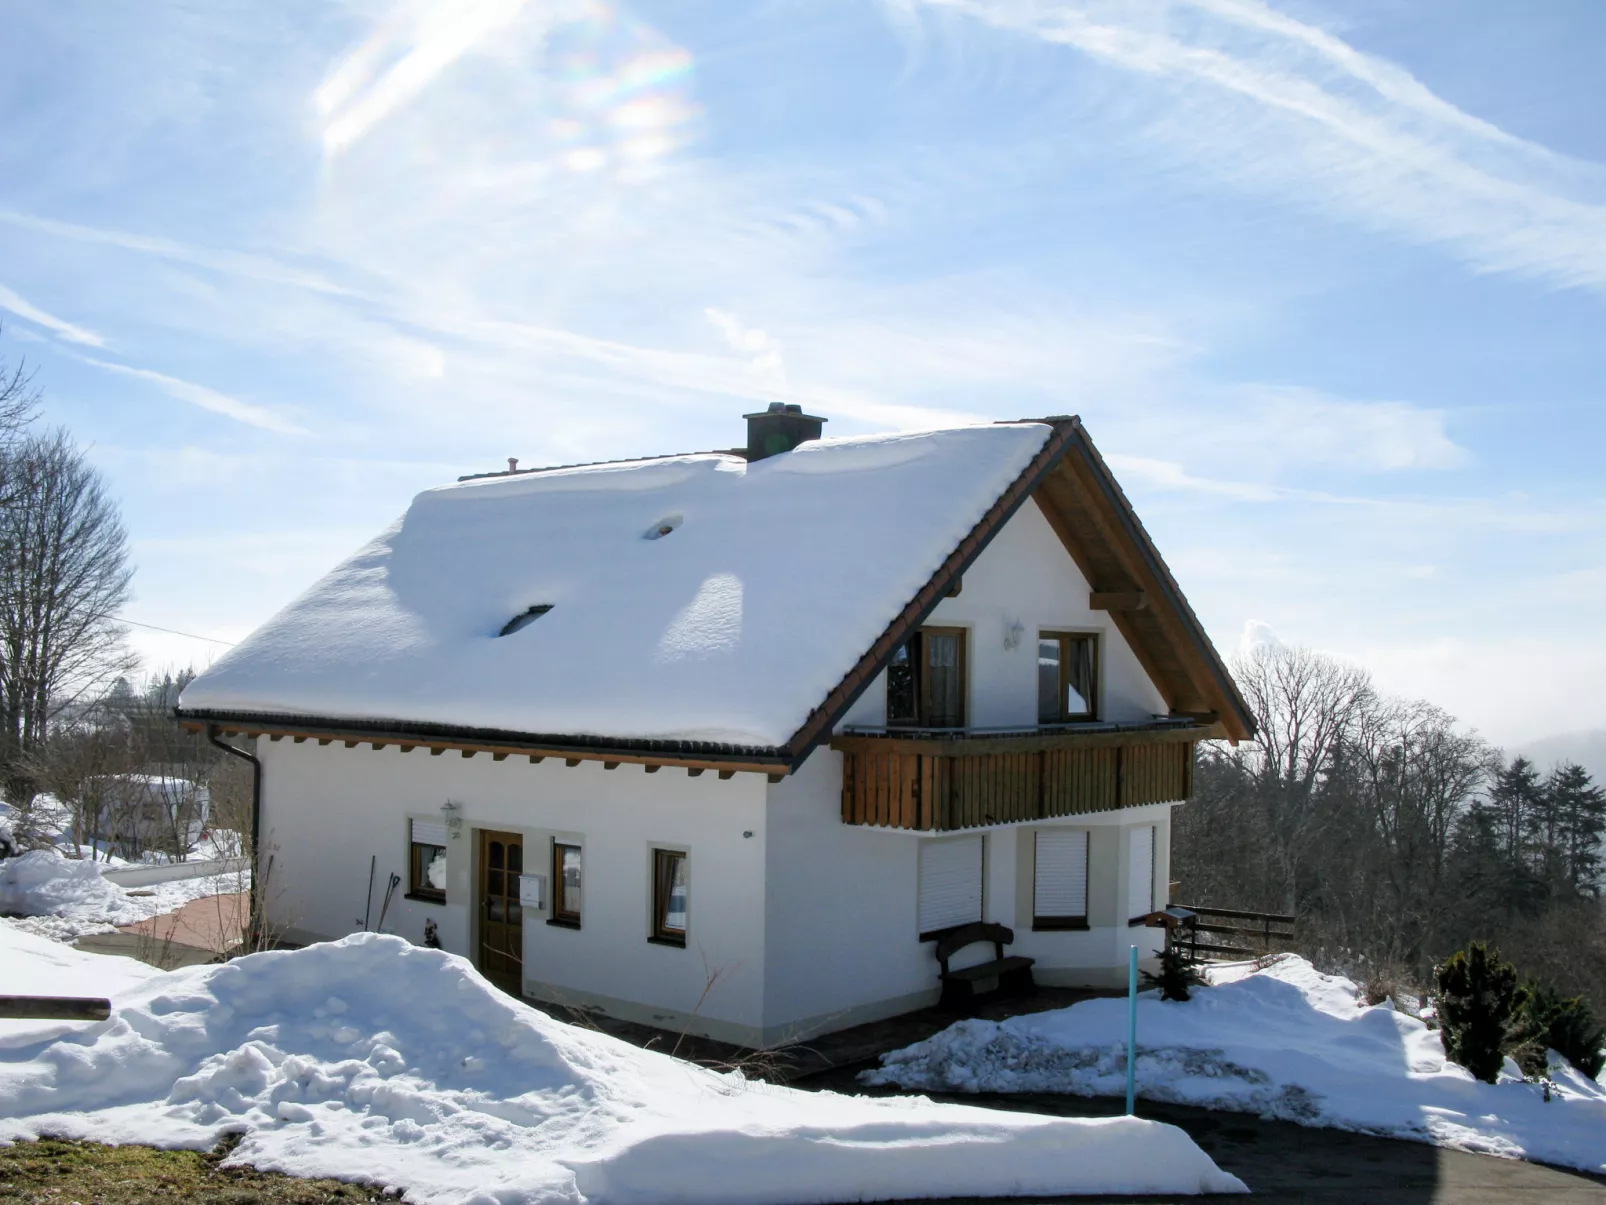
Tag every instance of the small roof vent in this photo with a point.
(524, 618)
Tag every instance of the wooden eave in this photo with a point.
(693, 757)
(1077, 494)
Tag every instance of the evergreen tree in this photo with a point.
(1578, 807)
(1517, 807)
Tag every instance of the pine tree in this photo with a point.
(1517, 808)
(1579, 808)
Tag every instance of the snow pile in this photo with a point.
(1286, 1042)
(68, 898)
(372, 1059)
(772, 580)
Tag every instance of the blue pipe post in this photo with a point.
(1132, 1034)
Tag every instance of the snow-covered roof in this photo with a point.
(774, 579)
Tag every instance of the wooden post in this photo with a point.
(54, 1008)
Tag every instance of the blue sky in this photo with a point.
(1325, 281)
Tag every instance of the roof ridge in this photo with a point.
(594, 464)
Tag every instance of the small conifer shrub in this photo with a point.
(1177, 976)
(1477, 992)
(1545, 1021)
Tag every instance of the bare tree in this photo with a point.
(64, 574)
(19, 399)
(1305, 704)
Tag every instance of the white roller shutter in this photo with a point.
(1059, 881)
(429, 832)
(1140, 872)
(950, 883)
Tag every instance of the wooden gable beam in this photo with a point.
(1117, 600)
(1209, 686)
(1165, 679)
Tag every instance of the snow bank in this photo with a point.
(1286, 1042)
(372, 1059)
(68, 898)
(772, 581)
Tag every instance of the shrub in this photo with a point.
(1545, 1021)
(1177, 976)
(1476, 993)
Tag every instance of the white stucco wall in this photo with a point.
(842, 943)
(1025, 576)
(327, 809)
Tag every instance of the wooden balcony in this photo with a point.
(941, 781)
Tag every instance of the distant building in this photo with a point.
(150, 813)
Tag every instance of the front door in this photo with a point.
(501, 918)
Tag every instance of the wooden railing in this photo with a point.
(1251, 933)
(943, 783)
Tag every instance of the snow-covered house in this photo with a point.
(720, 742)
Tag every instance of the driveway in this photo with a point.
(1285, 1164)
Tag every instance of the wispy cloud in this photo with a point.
(1263, 100)
(244, 265)
(400, 60)
(207, 399)
(63, 329)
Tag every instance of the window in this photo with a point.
(427, 876)
(950, 884)
(565, 885)
(926, 680)
(1140, 882)
(1067, 677)
(669, 897)
(1059, 879)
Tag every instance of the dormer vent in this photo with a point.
(661, 528)
(524, 618)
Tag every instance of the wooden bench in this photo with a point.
(1012, 973)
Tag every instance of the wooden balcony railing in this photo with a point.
(940, 782)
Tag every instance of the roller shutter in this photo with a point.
(1140, 877)
(429, 832)
(950, 883)
(1059, 881)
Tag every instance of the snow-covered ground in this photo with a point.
(372, 1059)
(67, 898)
(1285, 1042)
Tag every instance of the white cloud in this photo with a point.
(766, 352)
(207, 399)
(1257, 635)
(59, 326)
(1265, 101)
(1271, 433)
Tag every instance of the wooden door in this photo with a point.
(501, 917)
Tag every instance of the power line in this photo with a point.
(172, 631)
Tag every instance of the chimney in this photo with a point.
(513, 464)
(779, 429)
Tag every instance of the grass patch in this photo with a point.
(55, 1172)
